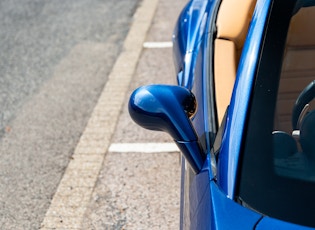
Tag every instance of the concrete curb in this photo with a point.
(76, 187)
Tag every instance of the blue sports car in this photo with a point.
(241, 113)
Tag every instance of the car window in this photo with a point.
(278, 161)
(294, 154)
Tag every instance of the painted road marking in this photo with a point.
(157, 45)
(74, 192)
(143, 148)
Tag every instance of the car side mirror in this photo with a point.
(169, 108)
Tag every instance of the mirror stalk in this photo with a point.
(195, 160)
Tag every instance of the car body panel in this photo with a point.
(190, 64)
(190, 45)
(189, 32)
(209, 198)
(224, 187)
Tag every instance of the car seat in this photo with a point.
(232, 26)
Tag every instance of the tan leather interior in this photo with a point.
(233, 20)
(298, 68)
(225, 70)
(232, 26)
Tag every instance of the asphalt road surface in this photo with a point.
(54, 61)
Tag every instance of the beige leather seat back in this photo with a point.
(232, 26)
(298, 68)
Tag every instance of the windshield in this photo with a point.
(278, 165)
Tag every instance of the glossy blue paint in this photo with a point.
(160, 107)
(227, 214)
(167, 108)
(192, 57)
(191, 51)
(211, 197)
(213, 210)
(193, 153)
(188, 34)
(236, 119)
(200, 202)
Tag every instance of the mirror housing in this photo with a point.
(169, 108)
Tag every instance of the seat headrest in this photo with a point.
(233, 20)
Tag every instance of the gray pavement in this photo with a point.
(36, 35)
(54, 62)
(118, 189)
(74, 191)
(138, 190)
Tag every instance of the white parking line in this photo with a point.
(157, 45)
(143, 148)
(74, 192)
